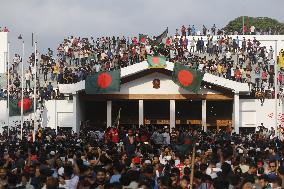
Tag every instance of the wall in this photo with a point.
(252, 114)
(64, 109)
(3, 51)
(58, 112)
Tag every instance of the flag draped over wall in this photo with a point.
(156, 61)
(15, 106)
(103, 82)
(187, 78)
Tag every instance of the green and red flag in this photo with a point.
(15, 106)
(156, 61)
(103, 82)
(142, 38)
(163, 35)
(187, 78)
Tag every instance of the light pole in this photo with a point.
(35, 78)
(8, 87)
(22, 96)
(275, 86)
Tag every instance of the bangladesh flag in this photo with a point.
(15, 106)
(156, 61)
(103, 82)
(142, 38)
(163, 35)
(187, 78)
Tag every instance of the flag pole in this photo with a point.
(8, 91)
(22, 96)
(192, 168)
(35, 77)
(275, 86)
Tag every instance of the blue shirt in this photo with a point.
(115, 178)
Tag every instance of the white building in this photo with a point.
(220, 102)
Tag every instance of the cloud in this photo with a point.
(52, 20)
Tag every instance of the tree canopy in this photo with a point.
(261, 24)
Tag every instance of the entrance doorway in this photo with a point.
(96, 113)
(188, 112)
(219, 114)
(157, 112)
(129, 112)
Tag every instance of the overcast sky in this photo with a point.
(52, 20)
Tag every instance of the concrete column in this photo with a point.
(56, 115)
(109, 106)
(204, 125)
(236, 112)
(141, 112)
(172, 113)
(76, 113)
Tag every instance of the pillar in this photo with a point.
(236, 112)
(76, 113)
(109, 106)
(204, 125)
(141, 112)
(172, 114)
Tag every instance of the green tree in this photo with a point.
(263, 24)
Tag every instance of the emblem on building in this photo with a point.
(156, 83)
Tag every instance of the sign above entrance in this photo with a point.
(156, 83)
(167, 122)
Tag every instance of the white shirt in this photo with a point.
(70, 184)
(167, 137)
(271, 62)
(228, 55)
(28, 76)
(97, 67)
(200, 66)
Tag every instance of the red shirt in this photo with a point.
(114, 135)
(180, 167)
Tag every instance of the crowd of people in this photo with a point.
(141, 157)
(242, 60)
(5, 29)
(191, 30)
